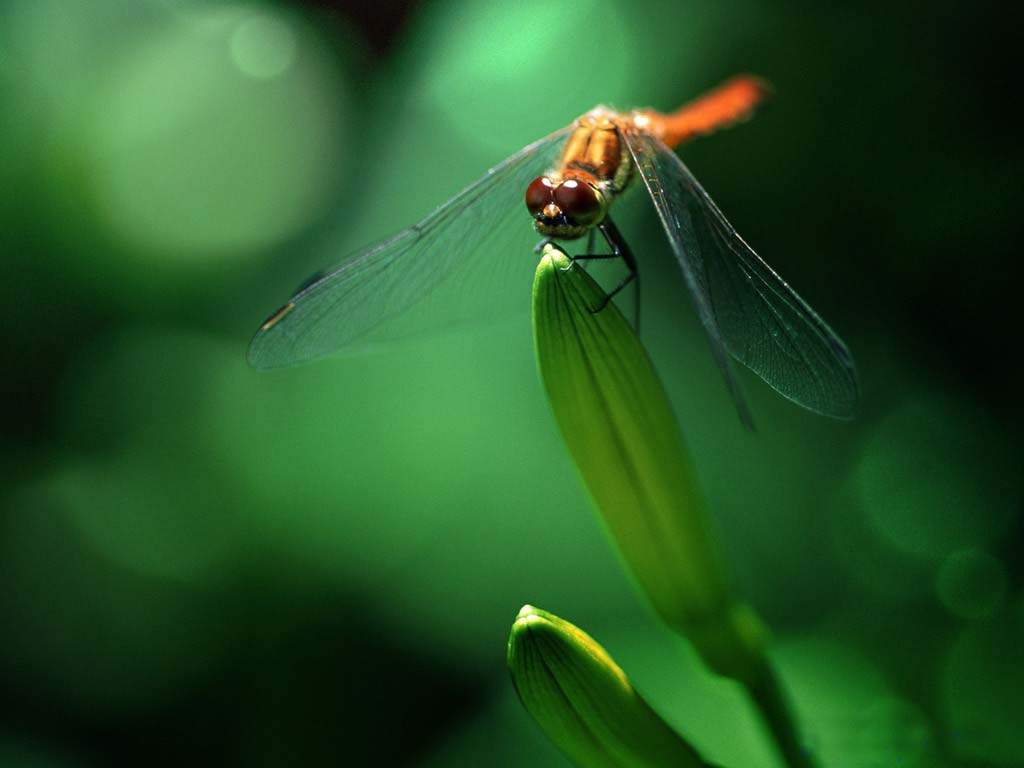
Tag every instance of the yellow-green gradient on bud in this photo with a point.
(621, 431)
(584, 702)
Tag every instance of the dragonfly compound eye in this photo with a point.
(539, 194)
(581, 202)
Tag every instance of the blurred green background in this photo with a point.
(202, 564)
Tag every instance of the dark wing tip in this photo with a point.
(257, 352)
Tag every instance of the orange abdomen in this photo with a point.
(731, 102)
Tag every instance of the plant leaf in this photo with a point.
(584, 702)
(621, 431)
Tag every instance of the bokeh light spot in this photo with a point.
(145, 515)
(936, 476)
(505, 73)
(263, 47)
(871, 562)
(972, 584)
(194, 152)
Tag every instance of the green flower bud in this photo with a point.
(584, 702)
(621, 431)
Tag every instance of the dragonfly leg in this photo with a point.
(611, 294)
(539, 247)
(594, 256)
(589, 254)
(620, 249)
(590, 245)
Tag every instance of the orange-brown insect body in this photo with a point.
(596, 165)
(596, 154)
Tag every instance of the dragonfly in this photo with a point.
(455, 265)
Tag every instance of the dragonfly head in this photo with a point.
(566, 209)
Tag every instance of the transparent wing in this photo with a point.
(468, 261)
(746, 308)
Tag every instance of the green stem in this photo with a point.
(766, 692)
